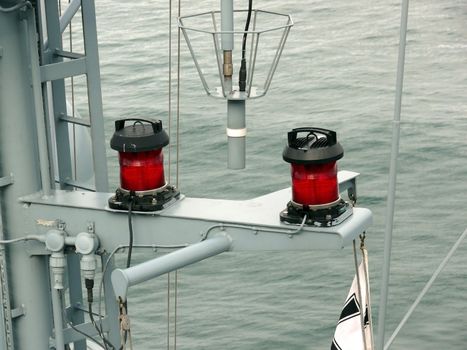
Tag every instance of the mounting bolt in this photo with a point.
(61, 225)
(91, 227)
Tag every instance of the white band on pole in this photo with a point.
(236, 132)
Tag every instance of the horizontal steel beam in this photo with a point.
(61, 70)
(68, 54)
(74, 120)
(253, 224)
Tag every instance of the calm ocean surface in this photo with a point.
(337, 71)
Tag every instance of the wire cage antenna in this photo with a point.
(261, 42)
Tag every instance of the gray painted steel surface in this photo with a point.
(27, 275)
(236, 144)
(26, 209)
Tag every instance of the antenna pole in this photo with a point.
(236, 131)
(392, 177)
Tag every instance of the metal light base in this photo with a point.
(321, 216)
(145, 201)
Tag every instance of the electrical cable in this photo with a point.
(243, 72)
(21, 239)
(89, 283)
(130, 230)
(106, 342)
(74, 327)
(254, 228)
(15, 7)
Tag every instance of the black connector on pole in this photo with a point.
(242, 76)
(89, 284)
(242, 72)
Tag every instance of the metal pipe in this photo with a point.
(236, 134)
(57, 315)
(392, 177)
(227, 40)
(122, 279)
(227, 25)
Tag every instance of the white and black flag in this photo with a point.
(350, 334)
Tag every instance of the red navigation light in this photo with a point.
(142, 180)
(313, 154)
(314, 184)
(139, 146)
(142, 171)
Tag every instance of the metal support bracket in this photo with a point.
(1, 52)
(6, 180)
(82, 186)
(61, 70)
(348, 182)
(68, 54)
(74, 120)
(18, 312)
(70, 335)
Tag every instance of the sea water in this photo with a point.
(337, 71)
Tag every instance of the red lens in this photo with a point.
(314, 184)
(141, 171)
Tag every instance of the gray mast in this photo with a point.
(19, 157)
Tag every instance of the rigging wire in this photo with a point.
(359, 296)
(177, 173)
(178, 98)
(168, 311)
(367, 286)
(425, 289)
(170, 87)
(106, 264)
(175, 309)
